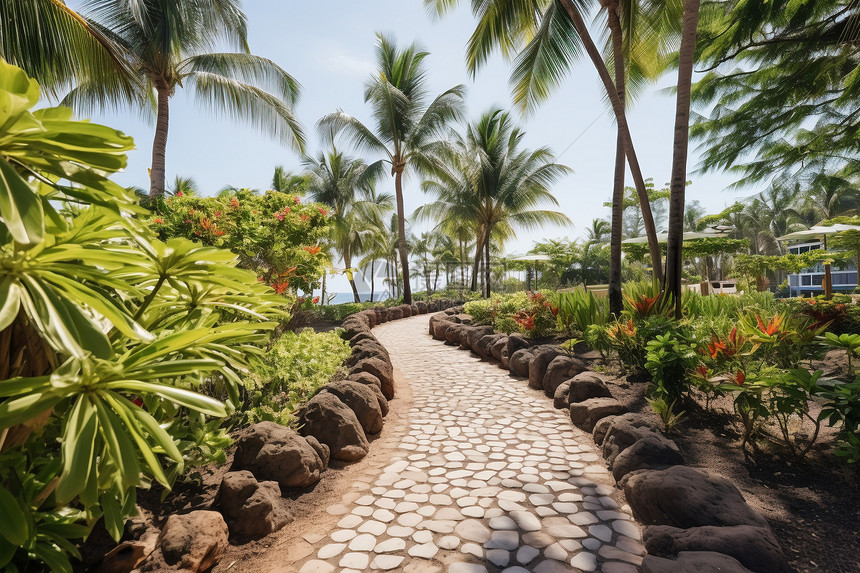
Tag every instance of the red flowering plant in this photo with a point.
(274, 233)
(537, 318)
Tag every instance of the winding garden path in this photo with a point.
(484, 475)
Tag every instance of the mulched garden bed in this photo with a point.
(812, 505)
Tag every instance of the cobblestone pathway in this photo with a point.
(487, 477)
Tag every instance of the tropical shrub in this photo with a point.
(295, 367)
(579, 309)
(274, 234)
(670, 359)
(842, 407)
(107, 334)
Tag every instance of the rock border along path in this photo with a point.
(487, 477)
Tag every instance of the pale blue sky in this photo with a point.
(329, 47)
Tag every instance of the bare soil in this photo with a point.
(812, 505)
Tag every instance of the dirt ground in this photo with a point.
(812, 505)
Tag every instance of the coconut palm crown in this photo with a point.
(487, 178)
(161, 46)
(407, 128)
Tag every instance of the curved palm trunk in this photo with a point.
(159, 144)
(616, 303)
(487, 258)
(347, 262)
(621, 120)
(401, 234)
(678, 181)
(372, 282)
(479, 247)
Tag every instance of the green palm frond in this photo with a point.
(249, 69)
(249, 104)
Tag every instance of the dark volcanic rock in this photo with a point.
(537, 369)
(651, 452)
(755, 547)
(331, 422)
(561, 397)
(379, 368)
(252, 509)
(519, 362)
(586, 414)
(275, 453)
(561, 368)
(625, 431)
(685, 497)
(498, 346)
(361, 400)
(587, 385)
(693, 562)
(191, 542)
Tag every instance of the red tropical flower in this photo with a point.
(772, 326)
(313, 250)
(296, 199)
(158, 220)
(315, 300)
(234, 203)
(179, 193)
(219, 232)
(323, 211)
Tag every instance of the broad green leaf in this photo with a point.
(53, 557)
(20, 206)
(78, 447)
(19, 410)
(118, 444)
(187, 398)
(13, 525)
(16, 386)
(9, 301)
(114, 519)
(129, 414)
(7, 552)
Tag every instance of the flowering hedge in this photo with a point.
(274, 234)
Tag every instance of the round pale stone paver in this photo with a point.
(487, 477)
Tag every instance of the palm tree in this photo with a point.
(376, 244)
(407, 128)
(343, 183)
(285, 181)
(185, 186)
(159, 46)
(60, 48)
(548, 36)
(678, 181)
(830, 196)
(487, 179)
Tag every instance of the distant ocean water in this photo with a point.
(343, 297)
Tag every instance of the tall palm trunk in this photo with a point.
(347, 262)
(372, 282)
(322, 290)
(401, 230)
(623, 128)
(616, 303)
(487, 259)
(678, 181)
(479, 247)
(159, 144)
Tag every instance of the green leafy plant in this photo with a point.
(296, 366)
(669, 416)
(580, 309)
(842, 407)
(848, 342)
(107, 335)
(669, 359)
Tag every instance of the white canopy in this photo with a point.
(817, 232)
(664, 237)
